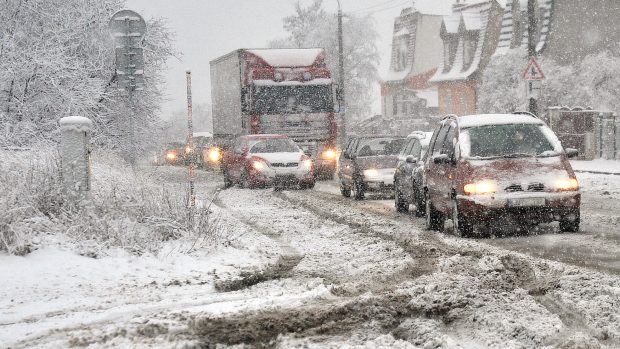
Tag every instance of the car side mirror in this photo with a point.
(411, 159)
(572, 153)
(442, 159)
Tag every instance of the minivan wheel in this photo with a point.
(434, 219)
(570, 224)
(399, 202)
(463, 226)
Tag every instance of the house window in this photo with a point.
(449, 102)
(446, 54)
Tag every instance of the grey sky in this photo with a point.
(207, 29)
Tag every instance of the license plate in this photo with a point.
(526, 202)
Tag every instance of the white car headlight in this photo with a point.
(482, 187)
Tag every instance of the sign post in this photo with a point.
(128, 28)
(190, 151)
(533, 77)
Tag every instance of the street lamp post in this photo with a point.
(341, 93)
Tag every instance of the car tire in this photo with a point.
(434, 219)
(463, 226)
(359, 190)
(571, 223)
(227, 181)
(307, 185)
(399, 202)
(244, 180)
(344, 190)
(420, 204)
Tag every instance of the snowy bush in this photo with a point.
(127, 209)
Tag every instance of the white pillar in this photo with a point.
(75, 155)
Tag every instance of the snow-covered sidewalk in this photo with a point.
(600, 166)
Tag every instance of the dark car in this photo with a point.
(263, 160)
(368, 164)
(174, 154)
(408, 181)
(486, 167)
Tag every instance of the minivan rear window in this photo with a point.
(512, 140)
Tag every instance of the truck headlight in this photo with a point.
(171, 156)
(371, 173)
(566, 184)
(482, 187)
(329, 154)
(215, 155)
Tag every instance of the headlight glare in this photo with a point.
(171, 156)
(258, 165)
(371, 173)
(329, 154)
(566, 184)
(482, 187)
(215, 155)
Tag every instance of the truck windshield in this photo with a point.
(293, 99)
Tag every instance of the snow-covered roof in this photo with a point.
(472, 20)
(402, 32)
(267, 82)
(452, 22)
(203, 134)
(497, 119)
(288, 57)
(458, 70)
(507, 34)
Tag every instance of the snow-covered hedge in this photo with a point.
(592, 82)
(129, 209)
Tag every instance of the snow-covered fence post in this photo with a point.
(75, 156)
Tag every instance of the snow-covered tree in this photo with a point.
(57, 59)
(593, 82)
(312, 26)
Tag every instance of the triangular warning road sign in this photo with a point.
(533, 71)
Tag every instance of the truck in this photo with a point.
(277, 91)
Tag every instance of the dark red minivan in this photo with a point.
(482, 167)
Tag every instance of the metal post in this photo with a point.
(132, 111)
(531, 44)
(190, 144)
(342, 103)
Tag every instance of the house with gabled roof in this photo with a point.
(407, 97)
(469, 37)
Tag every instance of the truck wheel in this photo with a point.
(227, 181)
(434, 218)
(570, 224)
(307, 185)
(463, 226)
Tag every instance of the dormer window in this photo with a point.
(469, 49)
(450, 45)
(402, 42)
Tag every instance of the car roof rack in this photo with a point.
(522, 112)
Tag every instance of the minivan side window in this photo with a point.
(431, 144)
(348, 148)
(438, 146)
(407, 148)
(448, 145)
(238, 146)
(416, 149)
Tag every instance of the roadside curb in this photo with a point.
(599, 172)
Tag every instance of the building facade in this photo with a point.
(407, 97)
(469, 38)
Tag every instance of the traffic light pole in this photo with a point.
(190, 144)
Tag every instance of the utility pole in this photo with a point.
(191, 153)
(531, 45)
(341, 103)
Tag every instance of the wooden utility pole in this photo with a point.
(341, 103)
(191, 153)
(532, 32)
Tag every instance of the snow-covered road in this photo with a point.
(360, 275)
